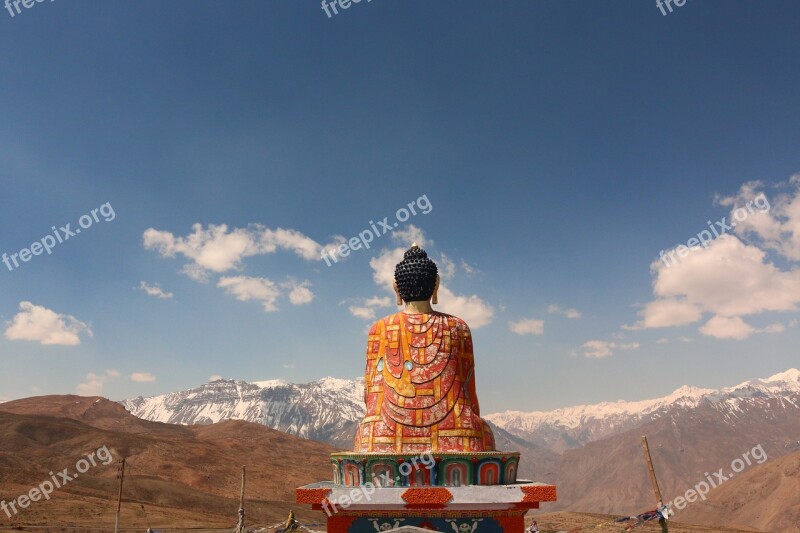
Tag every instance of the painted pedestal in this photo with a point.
(445, 492)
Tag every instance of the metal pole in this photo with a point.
(654, 482)
(119, 496)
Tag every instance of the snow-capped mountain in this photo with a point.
(319, 410)
(571, 427)
(328, 410)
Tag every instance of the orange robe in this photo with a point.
(420, 388)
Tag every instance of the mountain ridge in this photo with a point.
(329, 408)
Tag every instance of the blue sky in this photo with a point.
(561, 146)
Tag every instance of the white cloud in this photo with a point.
(245, 288)
(569, 313)
(732, 277)
(527, 326)
(39, 324)
(410, 235)
(367, 313)
(215, 248)
(723, 327)
(378, 301)
(383, 267)
(366, 308)
(662, 341)
(93, 385)
(667, 313)
(475, 311)
(596, 349)
(95, 382)
(468, 268)
(331, 251)
(774, 328)
(196, 272)
(288, 239)
(447, 267)
(155, 290)
(729, 279)
(219, 249)
(773, 223)
(300, 293)
(215, 377)
(143, 377)
(736, 328)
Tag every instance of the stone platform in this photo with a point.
(465, 509)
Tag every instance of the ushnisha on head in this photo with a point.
(416, 279)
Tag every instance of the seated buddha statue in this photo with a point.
(420, 373)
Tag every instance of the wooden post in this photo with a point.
(240, 527)
(119, 496)
(654, 481)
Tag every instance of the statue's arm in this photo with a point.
(469, 357)
(373, 342)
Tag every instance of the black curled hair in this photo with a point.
(415, 275)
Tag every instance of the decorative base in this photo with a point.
(427, 468)
(469, 509)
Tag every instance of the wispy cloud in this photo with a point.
(596, 349)
(245, 288)
(155, 290)
(93, 386)
(299, 293)
(558, 310)
(366, 307)
(527, 326)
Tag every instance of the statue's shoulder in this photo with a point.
(393, 320)
(376, 327)
(383, 323)
(455, 322)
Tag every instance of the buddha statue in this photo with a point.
(420, 376)
(423, 457)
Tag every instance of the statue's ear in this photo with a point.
(397, 293)
(435, 298)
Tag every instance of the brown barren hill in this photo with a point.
(182, 475)
(766, 497)
(610, 475)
